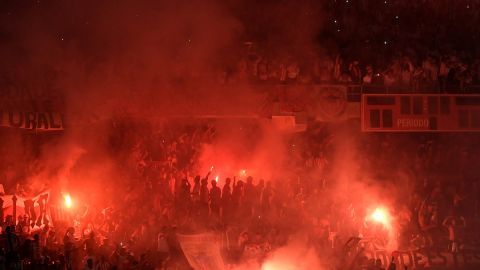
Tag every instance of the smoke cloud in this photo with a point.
(143, 59)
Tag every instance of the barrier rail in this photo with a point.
(354, 92)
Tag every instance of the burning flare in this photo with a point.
(382, 216)
(68, 200)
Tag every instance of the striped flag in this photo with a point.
(59, 214)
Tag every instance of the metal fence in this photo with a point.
(355, 91)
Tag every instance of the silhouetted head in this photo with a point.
(261, 182)
(90, 263)
(71, 230)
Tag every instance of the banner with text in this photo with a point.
(41, 121)
(428, 259)
(425, 258)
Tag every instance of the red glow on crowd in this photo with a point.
(260, 135)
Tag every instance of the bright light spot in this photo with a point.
(275, 266)
(382, 216)
(211, 168)
(216, 178)
(379, 215)
(243, 172)
(68, 200)
(268, 267)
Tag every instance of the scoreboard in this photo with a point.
(420, 113)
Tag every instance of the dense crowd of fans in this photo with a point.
(429, 184)
(255, 216)
(404, 73)
(399, 45)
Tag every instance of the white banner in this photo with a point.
(202, 251)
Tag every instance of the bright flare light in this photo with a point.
(243, 172)
(216, 178)
(68, 200)
(277, 266)
(381, 215)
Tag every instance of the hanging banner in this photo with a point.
(41, 121)
(8, 203)
(331, 103)
(422, 258)
(326, 103)
(428, 259)
(202, 251)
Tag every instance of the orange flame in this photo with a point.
(382, 216)
(68, 200)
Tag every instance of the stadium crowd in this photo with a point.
(434, 73)
(402, 46)
(430, 182)
(254, 217)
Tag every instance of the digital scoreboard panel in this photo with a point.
(420, 113)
